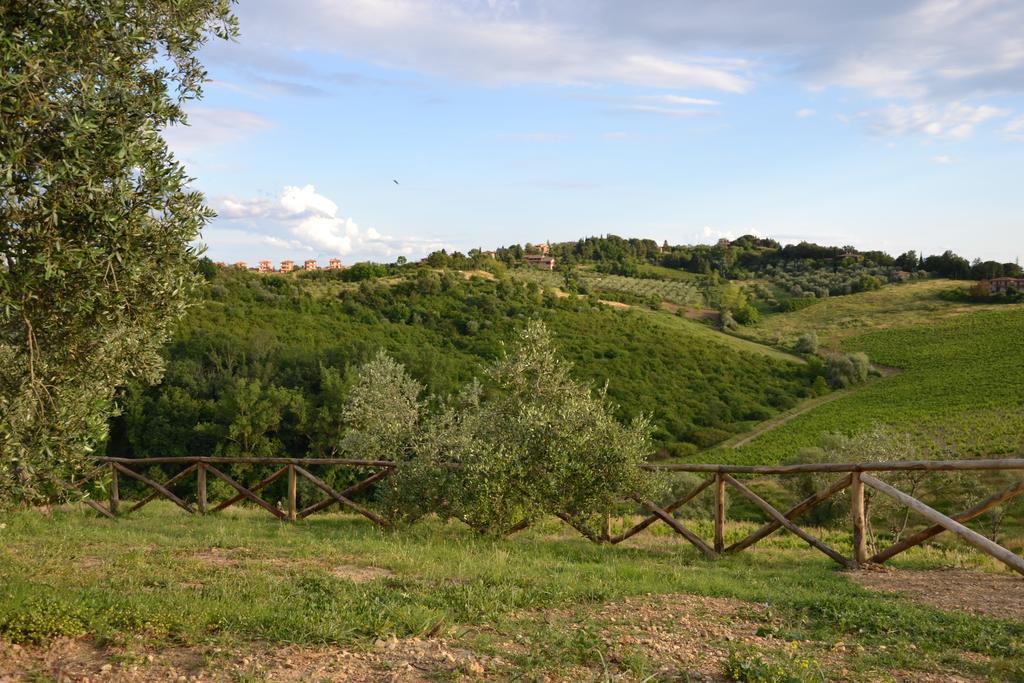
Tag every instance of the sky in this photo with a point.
(883, 124)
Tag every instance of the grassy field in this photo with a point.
(244, 597)
(837, 318)
(958, 391)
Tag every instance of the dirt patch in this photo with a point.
(615, 304)
(220, 557)
(992, 595)
(391, 660)
(359, 574)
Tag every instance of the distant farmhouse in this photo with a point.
(901, 276)
(542, 261)
(1003, 285)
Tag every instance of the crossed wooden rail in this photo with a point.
(855, 477)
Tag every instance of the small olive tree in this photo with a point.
(541, 443)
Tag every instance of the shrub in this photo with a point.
(807, 343)
(848, 370)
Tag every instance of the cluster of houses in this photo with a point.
(267, 266)
(540, 258)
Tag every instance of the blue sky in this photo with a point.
(895, 125)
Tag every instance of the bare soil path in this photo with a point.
(993, 595)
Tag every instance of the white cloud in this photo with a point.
(942, 159)
(1014, 130)
(695, 101)
(916, 49)
(805, 112)
(300, 219)
(954, 121)
(212, 126)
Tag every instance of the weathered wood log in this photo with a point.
(696, 491)
(253, 489)
(975, 539)
(1007, 463)
(201, 500)
(248, 461)
(292, 494)
(99, 508)
(936, 529)
(680, 528)
(719, 513)
(155, 486)
(350, 491)
(115, 492)
(517, 527)
(320, 484)
(860, 539)
(565, 517)
(781, 519)
(806, 505)
(167, 484)
(246, 493)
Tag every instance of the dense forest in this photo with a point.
(262, 365)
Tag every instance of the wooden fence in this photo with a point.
(855, 476)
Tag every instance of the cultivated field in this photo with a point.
(957, 392)
(241, 597)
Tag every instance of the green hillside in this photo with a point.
(959, 389)
(262, 355)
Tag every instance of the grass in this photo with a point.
(958, 392)
(840, 317)
(540, 599)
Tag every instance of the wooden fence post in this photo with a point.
(860, 544)
(201, 487)
(115, 493)
(292, 494)
(719, 512)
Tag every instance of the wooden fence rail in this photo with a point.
(856, 477)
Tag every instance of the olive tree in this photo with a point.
(96, 215)
(539, 443)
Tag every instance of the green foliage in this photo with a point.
(381, 412)
(96, 218)
(749, 666)
(848, 369)
(296, 334)
(807, 343)
(39, 620)
(540, 444)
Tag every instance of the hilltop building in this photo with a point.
(1001, 285)
(901, 276)
(241, 265)
(287, 266)
(541, 261)
(266, 267)
(334, 264)
(310, 264)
